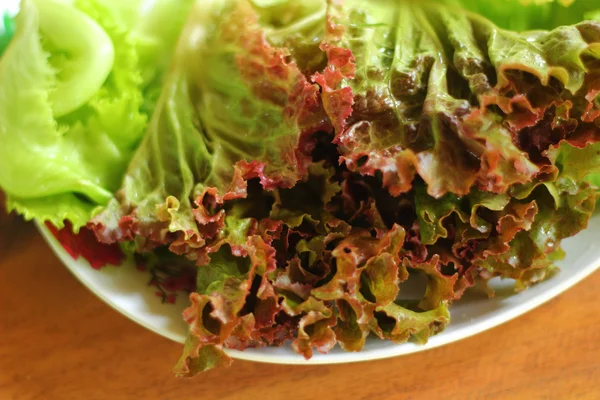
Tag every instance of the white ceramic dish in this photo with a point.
(126, 290)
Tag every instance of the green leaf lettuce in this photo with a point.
(72, 85)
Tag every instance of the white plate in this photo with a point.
(126, 290)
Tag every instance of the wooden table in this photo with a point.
(58, 341)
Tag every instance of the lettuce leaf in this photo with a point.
(72, 116)
(430, 109)
(231, 109)
(523, 15)
(70, 111)
(310, 157)
(154, 27)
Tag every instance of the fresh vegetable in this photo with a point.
(311, 156)
(76, 86)
(522, 15)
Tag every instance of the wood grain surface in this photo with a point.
(58, 341)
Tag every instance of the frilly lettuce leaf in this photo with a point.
(76, 85)
(68, 127)
(312, 156)
(231, 109)
(448, 105)
(154, 27)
